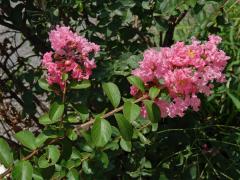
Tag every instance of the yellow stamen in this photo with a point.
(191, 54)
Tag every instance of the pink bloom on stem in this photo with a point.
(71, 55)
(186, 70)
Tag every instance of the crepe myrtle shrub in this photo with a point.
(78, 142)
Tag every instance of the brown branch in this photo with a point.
(172, 23)
(91, 121)
(23, 88)
(34, 152)
(85, 125)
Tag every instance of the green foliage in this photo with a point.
(56, 111)
(6, 156)
(234, 100)
(152, 111)
(26, 138)
(22, 170)
(44, 119)
(73, 174)
(126, 145)
(101, 132)
(137, 82)
(44, 84)
(50, 157)
(80, 85)
(131, 111)
(125, 127)
(81, 136)
(112, 92)
(154, 92)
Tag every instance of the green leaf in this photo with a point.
(143, 139)
(146, 5)
(112, 92)
(6, 156)
(125, 127)
(152, 111)
(72, 118)
(154, 127)
(235, 100)
(56, 12)
(72, 135)
(56, 111)
(50, 157)
(113, 145)
(86, 168)
(80, 85)
(22, 170)
(45, 120)
(137, 82)
(44, 84)
(163, 177)
(131, 111)
(37, 175)
(53, 153)
(193, 172)
(101, 132)
(73, 174)
(154, 92)
(104, 159)
(40, 139)
(64, 76)
(27, 139)
(82, 111)
(126, 145)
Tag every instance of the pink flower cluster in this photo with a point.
(182, 71)
(71, 56)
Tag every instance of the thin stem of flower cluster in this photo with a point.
(63, 100)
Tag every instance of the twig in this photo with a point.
(9, 170)
(173, 22)
(87, 124)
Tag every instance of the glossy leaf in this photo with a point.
(73, 174)
(40, 139)
(22, 170)
(153, 111)
(112, 92)
(27, 139)
(143, 139)
(86, 168)
(80, 85)
(125, 127)
(37, 175)
(101, 132)
(50, 157)
(126, 145)
(131, 111)
(104, 159)
(44, 84)
(154, 92)
(6, 156)
(137, 82)
(235, 100)
(72, 135)
(45, 120)
(56, 111)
